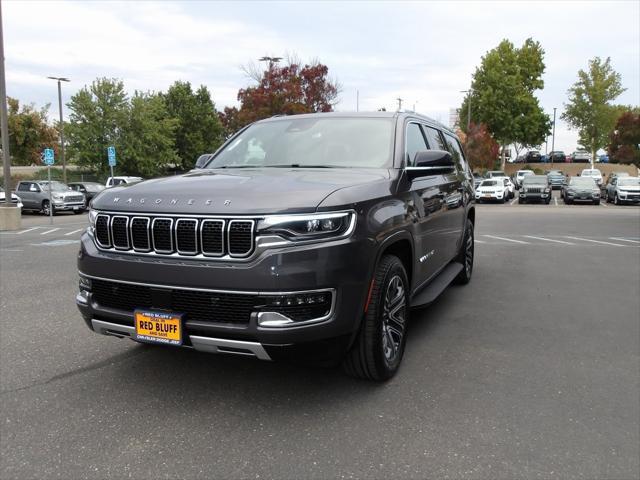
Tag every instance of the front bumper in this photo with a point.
(628, 197)
(64, 206)
(586, 197)
(343, 267)
(540, 197)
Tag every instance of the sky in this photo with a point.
(423, 52)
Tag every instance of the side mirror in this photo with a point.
(430, 162)
(202, 161)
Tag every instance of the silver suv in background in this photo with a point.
(520, 174)
(35, 196)
(623, 190)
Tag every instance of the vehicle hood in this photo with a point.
(629, 188)
(235, 191)
(13, 197)
(581, 189)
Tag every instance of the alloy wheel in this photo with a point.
(393, 319)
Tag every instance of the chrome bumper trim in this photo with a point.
(203, 344)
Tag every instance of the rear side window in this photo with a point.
(456, 151)
(414, 143)
(23, 187)
(434, 139)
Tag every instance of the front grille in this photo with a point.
(210, 307)
(534, 190)
(74, 198)
(210, 237)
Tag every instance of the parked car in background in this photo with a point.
(557, 156)
(35, 196)
(90, 189)
(593, 173)
(623, 190)
(533, 156)
(544, 158)
(495, 173)
(556, 178)
(113, 181)
(607, 181)
(603, 159)
(520, 174)
(16, 200)
(581, 156)
(492, 189)
(535, 188)
(581, 189)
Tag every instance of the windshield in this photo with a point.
(529, 179)
(591, 173)
(311, 142)
(628, 182)
(55, 186)
(489, 183)
(555, 172)
(582, 182)
(94, 187)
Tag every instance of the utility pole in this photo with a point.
(357, 100)
(61, 126)
(553, 138)
(468, 92)
(399, 103)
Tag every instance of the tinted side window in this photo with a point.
(456, 151)
(23, 187)
(414, 143)
(434, 139)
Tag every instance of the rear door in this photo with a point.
(25, 195)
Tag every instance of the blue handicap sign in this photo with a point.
(111, 154)
(48, 156)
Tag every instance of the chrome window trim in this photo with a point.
(222, 232)
(195, 236)
(253, 238)
(153, 236)
(98, 243)
(126, 231)
(140, 250)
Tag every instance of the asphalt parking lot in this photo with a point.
(530, 371)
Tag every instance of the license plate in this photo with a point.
(158, 327)
(487, 195)
(76, 208)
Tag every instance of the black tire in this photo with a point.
(547, 201)
(616, 200)
(522, 201)
(45, 208)
(78, 212)
(379, 347)
(596, 202)
(466, 255)
(502, 200)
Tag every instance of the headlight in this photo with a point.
(596, 192)
(311, 227)
(57, 196)
(92, 218)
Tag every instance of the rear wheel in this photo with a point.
(379, 347)
(616, 200)
(45, 207)
(465, 256)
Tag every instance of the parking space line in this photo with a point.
(624, 239)
(27, 230)
(513, 201)
(478, 241)
(49, 231)
(549, 240)
(507, 239)
(555, 201)
(75, 231)
(596, 241)
(604, 204)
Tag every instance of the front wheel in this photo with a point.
(379, 347)
(521, 200)
(78, 212)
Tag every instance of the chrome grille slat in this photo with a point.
(176, 235)
(186, 233)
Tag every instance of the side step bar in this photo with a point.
(203, 344)
(428, 294)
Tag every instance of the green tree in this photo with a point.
(503, 94)
(29, 132)
(624, 146)
(198, 128)
(148, 137)
(589, 109)
(97, 119)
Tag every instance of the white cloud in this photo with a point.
(424, 52)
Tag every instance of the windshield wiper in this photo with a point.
(238, 166)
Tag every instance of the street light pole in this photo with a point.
(61, 126)
(553, 138)
(4, 129)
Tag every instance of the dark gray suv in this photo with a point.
(306, 236)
